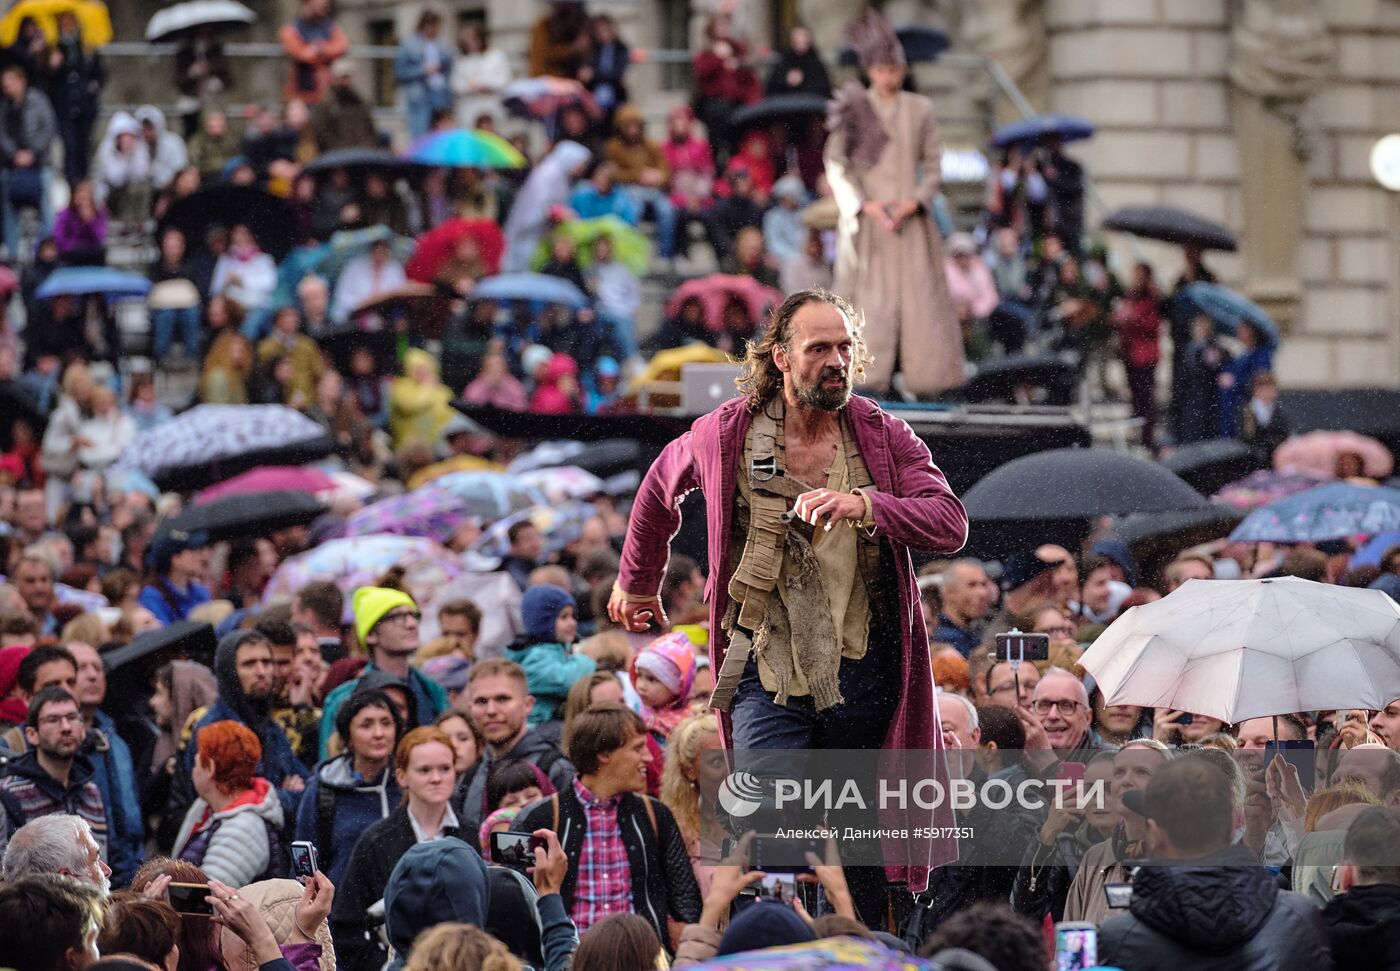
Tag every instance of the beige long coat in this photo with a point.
(897, 279)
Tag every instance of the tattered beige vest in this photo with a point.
(794, 588)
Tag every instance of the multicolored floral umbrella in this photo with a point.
(1327, 512)
(434, 513)
(489, 495)
(1266, 486)
(827, 954)
(360, 561)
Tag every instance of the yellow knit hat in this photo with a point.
(370, 604)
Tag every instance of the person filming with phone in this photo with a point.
(1203, 901)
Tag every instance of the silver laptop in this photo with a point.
(704, 387)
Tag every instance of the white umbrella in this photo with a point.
(197, 13)
(1238, 649)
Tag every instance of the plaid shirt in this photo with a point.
(604, 876)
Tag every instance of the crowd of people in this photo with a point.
(176, 732)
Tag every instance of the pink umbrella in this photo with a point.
(715, 291)
(270, 478)
(1318, 452)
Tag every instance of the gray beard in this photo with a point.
(821, 397)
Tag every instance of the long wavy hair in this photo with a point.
(759, 379)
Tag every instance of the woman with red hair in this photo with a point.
(232, 830)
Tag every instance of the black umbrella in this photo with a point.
(1146, 530)
(780, 109)
(373, 159)
(1211, 465)
(258, 514)
(1366, 411)
(186, 638)
(1172, 225)
(1077, 484)
(999, 378)
(919, 43)
(340, 346)
(269, 217)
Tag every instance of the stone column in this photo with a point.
(1280, 56)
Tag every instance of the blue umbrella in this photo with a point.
(1230, 309)
(78, 281)
(1069, 128)
(530, 286)
(1375, 548)
(1328, 512)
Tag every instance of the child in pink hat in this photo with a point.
(662, 675)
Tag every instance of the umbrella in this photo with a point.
(1239, 649)
(604, 458)
(714, 293)
(1366, 411)
(410, 294)
(209, 443)
(489, 495)
(1069, 128)
(271, 478)
(1000, 379)
(1333, 511)
(630, 246)
(84, 280)
(466, 148)
(431, 512)
(345, 245)
(360, 561)
(169, 23)
(436, 246)
(1176, 529)
(1264, 486)
(541, 98)
(780, 109)
(532, 287)
(1078, 483)
(1318, 451)
(1230, 309)
(827, 954)
(1375, 549)
(920, 44)
(1211, 465)
(563, 483)
(559, 525)
(268, 217)
(1172, 225)
(358, 159)
(187, 637)
(93, 19)
(247, 516)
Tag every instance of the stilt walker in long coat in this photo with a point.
(883, 161)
